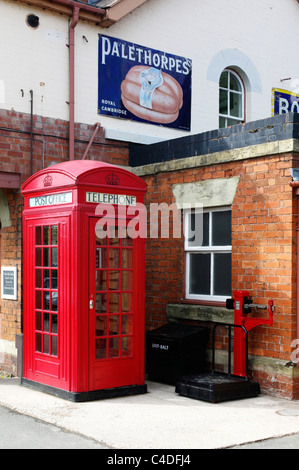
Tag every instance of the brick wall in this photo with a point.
(11, 247)
(264, 219)
(50, 143)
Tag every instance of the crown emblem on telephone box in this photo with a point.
(112, 179)
(48, 180)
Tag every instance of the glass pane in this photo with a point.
(127, 325)
(126, 302)
(101, 322)
(127, 280)
(38, 278)
(233, 122)
(47, 300)
(101, 280)
(38, 342)
(221, 228)
(223, 102)
(127, 241)
(100, 263)
(38, 256)
(113, 325)
(200, 273)
(222, 274)
(113, 347)
(101, 303)
(38, 235)
(46, 279)
(46, 344)
(46, 257)
(46, 322)
(46, 325)
(114, 258)
(101, 232)
(235, 105)
(101, 257)
(101, 241)
(54, 345)
(46, 240)
(224, 80)
(101, 348)
(54, 301)
(113, 303)
(114, 280)
(198, 229)
(222, 122)
(234, 83)
(54, 324)
(54, 258)
(54, 278)
(122, 233)
(127, 259)
(38, 299)
(127, 346)
(192, 222)
(38, 321)
(113, 236)
(206, 229)
(54, 229)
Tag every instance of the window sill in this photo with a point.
(196, 312)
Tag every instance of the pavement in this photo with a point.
(160, 419)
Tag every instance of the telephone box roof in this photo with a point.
(78, 172)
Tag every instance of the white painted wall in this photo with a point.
(259, 37)
(33, 60)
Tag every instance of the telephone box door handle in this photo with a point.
(91, 304)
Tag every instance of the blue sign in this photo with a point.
(284, 101)
(143, 84)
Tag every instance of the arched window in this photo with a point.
(231, 99)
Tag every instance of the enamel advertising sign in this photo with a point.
(284, 101)
(143, 84)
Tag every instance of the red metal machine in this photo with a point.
(243, 307)
(215, 386)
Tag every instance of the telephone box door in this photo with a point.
(116, 331)
(46, 295)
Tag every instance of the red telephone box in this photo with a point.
(83, 281)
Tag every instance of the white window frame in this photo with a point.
(210, 249)
(228, 116)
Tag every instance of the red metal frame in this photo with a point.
(242, 298)
(70, 362)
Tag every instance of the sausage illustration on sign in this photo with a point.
(152, 95)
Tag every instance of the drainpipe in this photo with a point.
(73, 24)
(31, 132)
(91, 140)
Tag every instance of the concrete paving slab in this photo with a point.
(159, 419)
